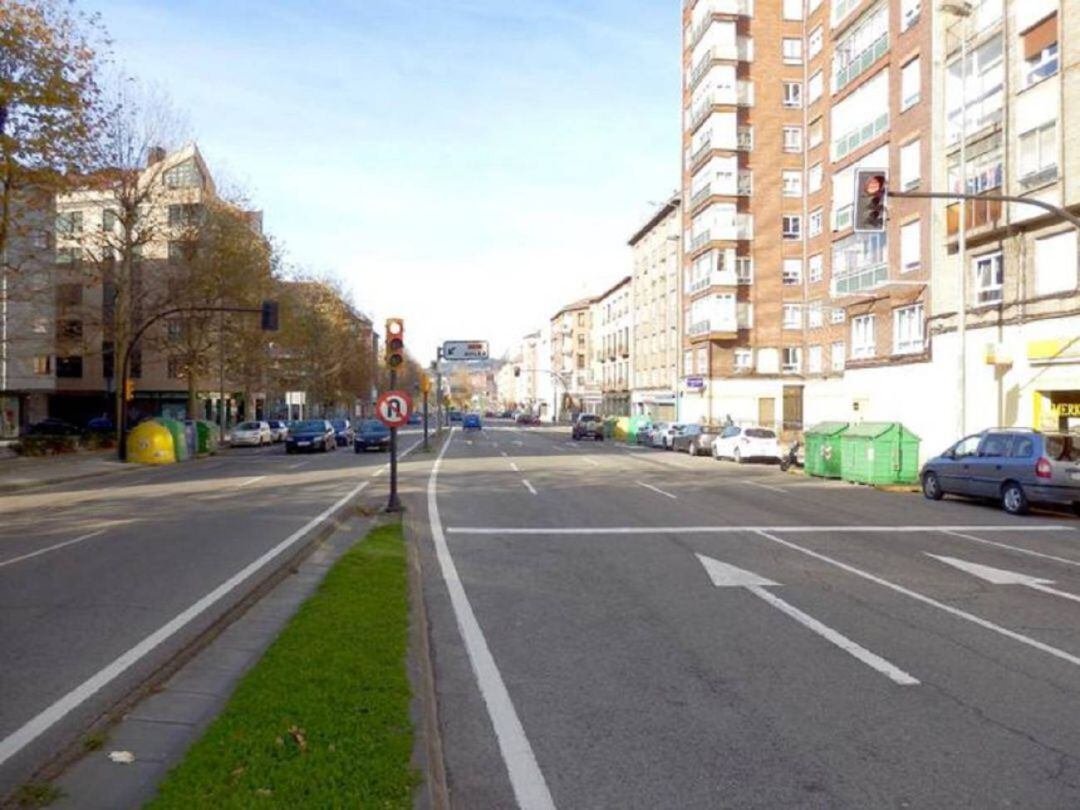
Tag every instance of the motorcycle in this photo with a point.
(791, 459)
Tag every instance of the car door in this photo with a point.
(986, 470)
(954, 466)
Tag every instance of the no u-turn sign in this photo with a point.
(393, 408)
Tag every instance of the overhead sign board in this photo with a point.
(393, 408)
(465, 350)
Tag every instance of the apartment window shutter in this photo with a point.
(1041, 37)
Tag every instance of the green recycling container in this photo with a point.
(879, 453)
(637, 424)
(823, 451)
(207, 437)
(179, 434)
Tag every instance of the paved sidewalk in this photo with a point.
(23, 473)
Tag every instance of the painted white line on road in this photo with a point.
(657, 490)
(528, 783)
(591, 461)
(299, 464)
(250, 481)
(764, 486)
(46, 719)
(54, 547)
(585, 530)
(529, 486)
(1018, 549)
(926, 600)
(514, 467)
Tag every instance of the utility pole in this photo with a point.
(438, 385)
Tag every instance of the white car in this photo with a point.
(251, 434)
(279, 431)
(666, 437)
(656, 433)
(742, 444)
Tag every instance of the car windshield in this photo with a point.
(759, 433)
(1060, 447)
(310, 425)
(588, 418)
(339, 424)
(373, 426)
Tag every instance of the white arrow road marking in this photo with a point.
(658, 490)
(1018, 549)
(526, 778)
(999, 576)
(529, 486)
(728, 576)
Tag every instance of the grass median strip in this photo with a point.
(323, 719)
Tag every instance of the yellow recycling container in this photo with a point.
(151, 443)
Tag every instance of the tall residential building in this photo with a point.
(612, 326)
(791, 316)
(655, 335)
(571, 359)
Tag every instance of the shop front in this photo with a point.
(1056, 383)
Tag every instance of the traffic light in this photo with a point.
(129, 389)
(871, 190)
(517, 371)
(269, 319)
(395, 342)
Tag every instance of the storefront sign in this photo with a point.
(1054, 350)
(1062, 409)
(696, 383)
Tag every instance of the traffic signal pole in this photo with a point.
(394, 503)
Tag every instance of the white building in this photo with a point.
(613, 318)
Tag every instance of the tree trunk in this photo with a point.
(192, 396)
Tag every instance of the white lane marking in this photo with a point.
(764, 486)
(872, 660)
(529, 486)
(734, 529)
(591, 461)
(54, 547)
(528, 783)
(298, 465)
(48, 717)
(250, 481)
(658, 490)
(504, 454)
(1018, 549)
(1000, 576)
(926, 600)
(514, 467)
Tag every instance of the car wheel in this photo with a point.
(1013, 499)
(738, 456)
(931, 487)
(599, 438)
(289, 451)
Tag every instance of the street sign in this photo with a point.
(393, 408)
(465, 350)
(695, 382)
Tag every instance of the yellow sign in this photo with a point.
(1047, 351)
(1065, 409)
(425, 384)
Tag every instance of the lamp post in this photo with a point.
(677, 388)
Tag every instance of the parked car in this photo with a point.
(697, 440)
(343, 432)
(371, 434)
(587, 426)
(656, 434)
(1011, 466)
(527, 419)
(455, 416)
(52, 426)
(471, 421)
(311, 434)
(100, 424)
(278, 430)
(251, 434)
(643, 431)
(665, 438)
(416, 418)
(742, 444)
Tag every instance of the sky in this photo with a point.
(467, 165)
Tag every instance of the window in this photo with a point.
(910, 246)
(580, 361)
(69, 295)
(792, 94)
(815, 268)
(185, 175)
(984, 90)
(909, 13)
(792, 273)
(814, 224)
(908, 329)
(861, 116)
(1041, 51)
(69, 367)
(792, 139)
(838, 356)
(744, 269)
(791, 183)
(184, 215)
(744, 137)
(814, 88)
(1055, 263)
(1042, 65)
(69, 329)
(581, 341)
(813, 178)
(68, 255)
(791, 226)
(837, 315)
(581, 319)
(1038, 153)
(814, 315)
(910, 165)
(813, 133)
(859, 262)
(108, 359)
(43, 365)
(791, 360)
(688, 362)
(860, 47)
(792, 51)
(173, 368)
(814, 44)
(813, 359)
(69, 223)
(792, 9)
(841, 8)
(744, 359)
(910, 84)
(862, 336)
(109, 220)
(793, 316)
(989, 278)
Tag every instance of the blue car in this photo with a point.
(415, 418)
(371, 433)
(471, 421)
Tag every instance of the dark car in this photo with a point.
(100, 424)
(311, 435)
(696, 440)
(1014, 467)
(371, 434)
(343, 432)
(588, 426)
(53, 427)
(527, 419)
(415, 418)
(455, 416)
(471, 421)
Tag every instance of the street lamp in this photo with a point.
(677, 387)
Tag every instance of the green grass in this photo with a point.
(323, 719)
(37, 794)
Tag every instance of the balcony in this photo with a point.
(853, 139)
(860, 63)
(979, 214)
(742, 8)
(864, 278)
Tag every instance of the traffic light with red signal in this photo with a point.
(395, 343)
(871, 192)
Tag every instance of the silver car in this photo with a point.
(251, 434)
(1015, 467)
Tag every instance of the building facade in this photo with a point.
(571, 359)
(613, 318)
(655, 332)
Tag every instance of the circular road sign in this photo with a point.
(393, 408)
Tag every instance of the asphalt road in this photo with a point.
(623, 628)
(91, 570)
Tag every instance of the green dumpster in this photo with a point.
(637, 424)
(207, 437)
(609, 427)
(179, 434)
(823, 449)
(879, 453)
